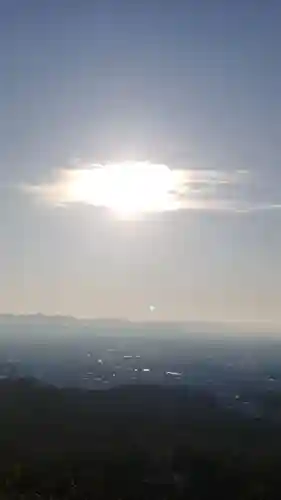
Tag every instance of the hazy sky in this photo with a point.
(191, 84)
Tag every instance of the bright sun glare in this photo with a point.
(125, 188)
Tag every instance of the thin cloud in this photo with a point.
(147, 187)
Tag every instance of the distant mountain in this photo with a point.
(165, 327)
(42, 319)
(35, 318)
(59, 320)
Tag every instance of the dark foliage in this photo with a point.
(131, 443)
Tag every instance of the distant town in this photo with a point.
(242, 373)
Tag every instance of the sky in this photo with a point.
(191, 85)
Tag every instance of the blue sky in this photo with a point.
(190, 84)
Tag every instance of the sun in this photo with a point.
(127, 189)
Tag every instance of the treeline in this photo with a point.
(136, 442)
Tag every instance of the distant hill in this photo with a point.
(43, 319)
(134, 327)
